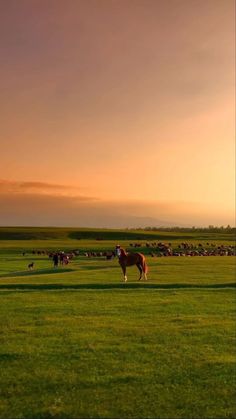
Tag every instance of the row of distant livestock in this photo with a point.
(64, 257)
(188, 249)
(107, 255)
(183, 249)
(159, 249)
(183, 245)
(50, 253)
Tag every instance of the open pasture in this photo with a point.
(77, 342)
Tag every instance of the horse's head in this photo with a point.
(118, 250)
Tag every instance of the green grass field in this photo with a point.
(78, 342)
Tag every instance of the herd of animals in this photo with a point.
(155, 249)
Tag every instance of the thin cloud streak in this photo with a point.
(41, 188)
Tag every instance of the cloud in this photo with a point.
(39, 209)
(40, 188)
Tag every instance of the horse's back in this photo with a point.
(132, 259)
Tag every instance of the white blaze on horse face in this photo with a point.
(125, 278)
(118, 252)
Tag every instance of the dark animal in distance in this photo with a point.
(129, 259)
(31, 266)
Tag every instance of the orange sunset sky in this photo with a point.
(117, 113)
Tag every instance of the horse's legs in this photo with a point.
(144, 268)
(124, 272)
(140, 270)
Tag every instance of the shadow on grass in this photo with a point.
(9, 357)
(119, 286)
(48, 415)
(36, 272)
(94, 268)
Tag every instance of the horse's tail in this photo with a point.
(144, 266)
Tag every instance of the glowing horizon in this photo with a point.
(117, 108)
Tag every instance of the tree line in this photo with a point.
(176, 229)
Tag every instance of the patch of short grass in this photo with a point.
(80, 343)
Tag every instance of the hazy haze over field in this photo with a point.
(117, 112)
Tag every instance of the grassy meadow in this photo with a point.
(78, 342)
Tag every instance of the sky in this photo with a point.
(117, 113)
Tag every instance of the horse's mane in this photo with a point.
(123, 252)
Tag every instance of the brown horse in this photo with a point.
(129, 259)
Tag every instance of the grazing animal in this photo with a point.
(31, 266)
(129, 259)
